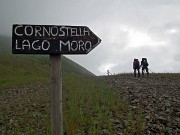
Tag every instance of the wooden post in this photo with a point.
(56, 95)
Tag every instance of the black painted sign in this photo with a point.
(52, 39)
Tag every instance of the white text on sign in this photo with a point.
(52, 39)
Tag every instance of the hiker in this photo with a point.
(108, 73)
(144, 65)
(136, 67)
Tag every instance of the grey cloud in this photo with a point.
(113, 21)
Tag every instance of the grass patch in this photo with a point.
(16, 70)
(23, 69)
(90, 107)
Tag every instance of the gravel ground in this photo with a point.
(24, 110)
(158, 96)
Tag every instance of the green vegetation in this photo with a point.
(20, 69)
(89, 105)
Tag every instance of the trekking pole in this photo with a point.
(151, 70)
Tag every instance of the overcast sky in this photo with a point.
(128, 28)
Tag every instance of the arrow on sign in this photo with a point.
(53, 39)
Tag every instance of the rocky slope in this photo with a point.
(24, 110)
(158, 96)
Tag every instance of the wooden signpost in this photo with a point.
(55, 41)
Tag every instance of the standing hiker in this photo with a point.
(108, 73)
(136, 67)
(144, 65)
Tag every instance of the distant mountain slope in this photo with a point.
(5, 44)
(16, 69)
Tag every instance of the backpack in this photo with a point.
(144, 62)
(136, 63)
